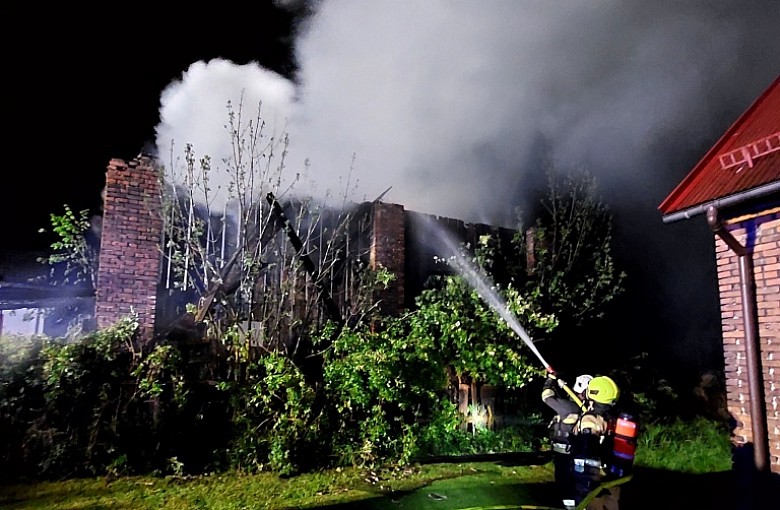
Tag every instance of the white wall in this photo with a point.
(23, 321)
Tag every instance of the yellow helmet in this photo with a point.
(603, 390)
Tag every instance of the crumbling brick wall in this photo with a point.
(130, 256)
(388, 250)
(761, 235)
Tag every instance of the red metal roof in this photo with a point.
(745, 159)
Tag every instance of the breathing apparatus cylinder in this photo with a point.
(586, 455)
(624, 445)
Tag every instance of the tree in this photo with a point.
(566, 264)
(552, 278)
(477, 342)
(234, 254)
(74, 252)
(570, 269)
(279, 278)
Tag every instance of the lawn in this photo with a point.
(441, 485)
(681, 466)
(500, 484)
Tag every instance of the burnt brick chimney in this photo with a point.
(388, 250)
(130, 256)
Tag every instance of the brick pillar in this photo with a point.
(130, 253)
(388, 250)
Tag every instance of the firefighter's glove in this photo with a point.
(550, 381)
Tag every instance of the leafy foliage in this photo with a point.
(159, 375)
(292, 385)
(571, 272)
(73, 251)
(95, 405)
(385, 385)
(475, 341)
(81, 384)
(273, 417)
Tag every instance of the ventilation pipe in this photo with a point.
(752, 346)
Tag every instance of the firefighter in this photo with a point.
(592, 443)
(567, 413)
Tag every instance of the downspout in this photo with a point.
(752, 346)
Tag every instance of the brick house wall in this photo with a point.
(130, 257)
(761, 235)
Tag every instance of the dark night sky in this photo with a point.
(86, 88)
(447, 102)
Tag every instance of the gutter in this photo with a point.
(752, 342)
(720, 203)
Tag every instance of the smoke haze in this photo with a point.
(452, 103)
(455, 105)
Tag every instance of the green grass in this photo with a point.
(232, 491)
(699, 447)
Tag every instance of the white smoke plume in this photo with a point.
(456, 104)
(452, 102)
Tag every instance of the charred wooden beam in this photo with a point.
(330, 305)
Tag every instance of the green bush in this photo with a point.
(384, 386)
(94, 405)
(276, 424)
(370, 397)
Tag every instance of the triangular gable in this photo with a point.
(743, 164)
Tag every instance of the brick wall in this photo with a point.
(388, 249)
(762, 233)
(129, 261)
(130, 256)
(423, 244)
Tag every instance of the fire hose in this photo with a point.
(552, 374)
(550, 371)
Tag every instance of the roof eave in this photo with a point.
(728, 201)
(674, 196)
